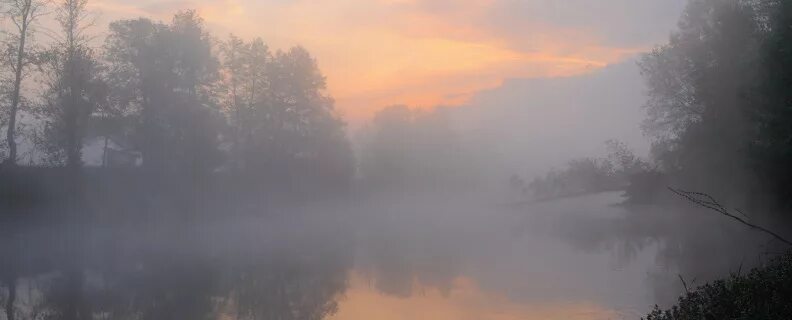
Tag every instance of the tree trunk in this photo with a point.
(11, 133)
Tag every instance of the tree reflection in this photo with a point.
(68, 273)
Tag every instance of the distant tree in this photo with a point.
(140, 77)
(587, 175)
(17, 57)
(165, 75)
(247, 80)
(233, 62)
(297, 131)
(407, 148)
(76, 89)
(385, 155)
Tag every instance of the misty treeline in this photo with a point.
(115, 147)
(719, 116)
(168, 98)
(718, 113)
(585, 175)
(158, 122)
(718, 108)
(404, 148)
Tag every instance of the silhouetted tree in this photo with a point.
(247, 79)
(772, 145)
(17, 57)
(76, 89)
(166, 74)
(296, 135)
(697, 110)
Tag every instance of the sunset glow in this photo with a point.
(464, 301)
(420, 53)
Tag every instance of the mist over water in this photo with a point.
(153, 169)
(313, 259)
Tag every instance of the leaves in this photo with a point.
(761, 294)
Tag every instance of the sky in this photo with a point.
(424, 53)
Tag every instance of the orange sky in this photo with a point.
(416, 52)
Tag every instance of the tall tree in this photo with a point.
(256, 99)
(233, 61)
(772, 145)
(139, 76)
(302, 132)
(23, 14)
(697, 87)
(246, 65)
(165, 74)
(76, 89)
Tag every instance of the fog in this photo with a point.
(164, 170)
(578, 114)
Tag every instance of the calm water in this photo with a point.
(543, 261)
(396, 257)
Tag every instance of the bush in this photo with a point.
(764, 293)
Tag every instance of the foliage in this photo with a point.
(718, 111)
(771, 148)
(17, 57)
(164, 93)
(586, 175)
(763, 293)
(163, 74)
(698, 84)
(75, 87)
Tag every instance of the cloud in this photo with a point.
(427, 52)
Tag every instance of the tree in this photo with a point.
(23, 14)
(772, 146)
(296, 136)
(166, 76)
(233, 51)
(247, 80)
(139, 75)
(697, 107)
(76, 89)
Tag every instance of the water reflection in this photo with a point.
(520, 255)
(464, 299)
(416, 258)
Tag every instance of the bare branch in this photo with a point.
(707, 201)
(684, 284)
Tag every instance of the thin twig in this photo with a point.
(712, 204)
(684, 284)
(742, 213)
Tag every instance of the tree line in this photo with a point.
(719, 102)
(168, 94)
(719, 108)
(585, 175)
(719, 117)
